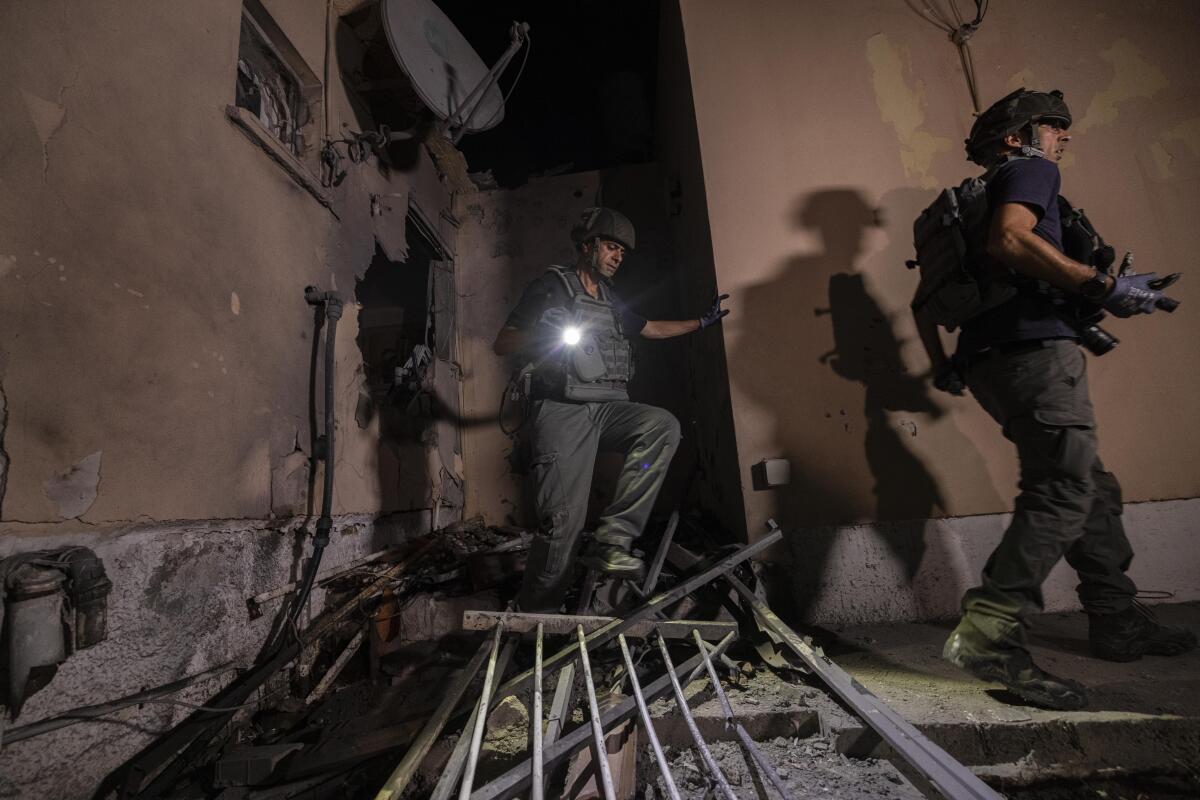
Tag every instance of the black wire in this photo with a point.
(981, 9)
(500, 415)
(932, 21)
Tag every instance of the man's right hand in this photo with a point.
(1139, 294)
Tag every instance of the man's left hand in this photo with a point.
(714, 314)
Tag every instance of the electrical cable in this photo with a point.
(508, 390)
(516, 80)
(960, 33)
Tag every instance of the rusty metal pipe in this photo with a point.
(741, 732)
(681, 701)
(536, 722)
(597, 731)
(659, 758)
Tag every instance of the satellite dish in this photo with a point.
(445, 71)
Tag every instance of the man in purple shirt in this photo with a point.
(1022, 362)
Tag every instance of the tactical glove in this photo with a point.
(714, 314)
(946, 378)
(1139, 294)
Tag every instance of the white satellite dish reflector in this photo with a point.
(445, 71)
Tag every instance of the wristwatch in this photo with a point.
(1095, 287)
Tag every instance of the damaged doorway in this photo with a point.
(412, 382)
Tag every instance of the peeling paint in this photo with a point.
(902, 106)
(47, 117)
(235, 303)
(1165, 157)
(1023, 79)
(72, 492)
(1133, 77)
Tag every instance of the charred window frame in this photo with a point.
(277, 97)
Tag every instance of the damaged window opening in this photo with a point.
(267, 89)
(400, 326)
(275, 90)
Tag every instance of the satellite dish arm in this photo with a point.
(519, 34)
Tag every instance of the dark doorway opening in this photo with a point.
(396, 324)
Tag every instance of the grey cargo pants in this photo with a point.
(1068, 506)
(566, 438)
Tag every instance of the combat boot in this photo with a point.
(612, 560)
(1130, 634)
(1013, 667)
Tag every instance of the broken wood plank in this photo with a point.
(515, 622)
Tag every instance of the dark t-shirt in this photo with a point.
(1031, 315)
(547, 291)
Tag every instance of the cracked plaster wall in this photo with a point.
(178, 608)
(155, 344)
(823, 131)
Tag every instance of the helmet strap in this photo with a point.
(1034, 148)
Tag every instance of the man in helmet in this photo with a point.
(574, 334)
(1022, 362)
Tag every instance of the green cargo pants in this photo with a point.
(1068, 506)
(566, 438)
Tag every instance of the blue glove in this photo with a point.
(1139, 294)
(714, 314)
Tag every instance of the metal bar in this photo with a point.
(566, 623)
(516, 780)
(538, 780)
(480, 718)
(458, 758)
(601, 757)
(336, 669)
(558, 706)
(681, 703)
(647, 724)
(86, 713)
(660, 555)
(404, 771)
(937, 766)
(689, 624)
(607, 633)
(730, 721)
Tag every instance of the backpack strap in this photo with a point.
(574, 286)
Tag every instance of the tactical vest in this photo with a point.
(599, 366)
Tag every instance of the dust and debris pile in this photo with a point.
(810, 768)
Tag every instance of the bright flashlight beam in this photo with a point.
(570, 336)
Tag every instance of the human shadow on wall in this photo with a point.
(790, 311)
(866, 351)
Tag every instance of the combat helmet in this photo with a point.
(605, 224)
(1010, 114)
